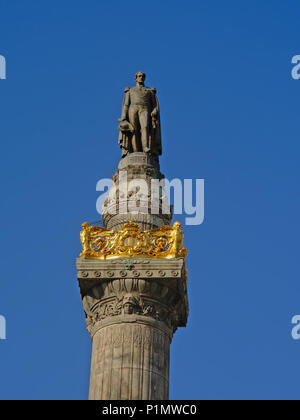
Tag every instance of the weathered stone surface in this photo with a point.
(154, 288)
(133, 306)
(135, 166)
(140, 120)
(139, 159)
(130, 361)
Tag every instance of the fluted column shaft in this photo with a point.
(130, 361)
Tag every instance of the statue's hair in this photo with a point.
(144, 74)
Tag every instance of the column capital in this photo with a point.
(143, 290)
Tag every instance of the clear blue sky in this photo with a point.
(230, 115)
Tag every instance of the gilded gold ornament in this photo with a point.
(131, 241)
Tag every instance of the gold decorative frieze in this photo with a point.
(131, 241)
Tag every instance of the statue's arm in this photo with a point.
(125, 106)
(155, 106)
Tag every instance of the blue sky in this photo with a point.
(230, 115)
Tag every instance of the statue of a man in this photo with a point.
(85, 238)
(176, 247)
(140, 120)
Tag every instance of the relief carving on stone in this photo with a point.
(130, 305)
(130, 297)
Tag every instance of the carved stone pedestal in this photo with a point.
(144, 167)
(133, 306)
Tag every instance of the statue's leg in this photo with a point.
(144, 122)
(133, 115)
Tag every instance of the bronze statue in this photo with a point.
(140, 120)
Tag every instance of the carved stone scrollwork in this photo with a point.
(130, 297)
(144, 290)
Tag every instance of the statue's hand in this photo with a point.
(125, 126)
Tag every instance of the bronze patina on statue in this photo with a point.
(140, 120)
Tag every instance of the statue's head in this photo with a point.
(130, 304)
(85, 226)
(140, 77)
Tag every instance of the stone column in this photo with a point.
(133, 307)
(130, 362)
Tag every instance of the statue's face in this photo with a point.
(128, 309)
(140, 77)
